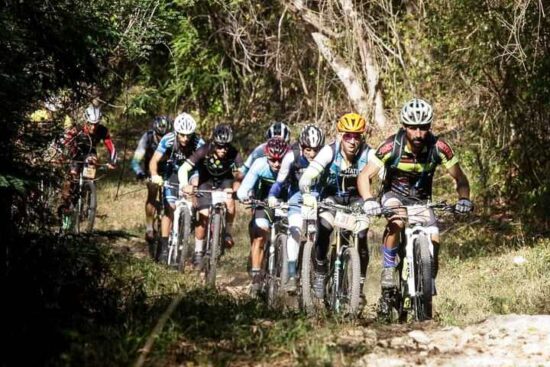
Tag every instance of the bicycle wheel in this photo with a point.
(183, 238)
(213, 249)
(310, 303)
(275, 276)
(349, 283)
(87, 207)
(423, 279)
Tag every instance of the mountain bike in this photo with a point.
(80, 216)
(343, 283)
(274, 268)
(415, 285)
(179, 240)
(215, 233)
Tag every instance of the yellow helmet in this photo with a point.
(351, 123)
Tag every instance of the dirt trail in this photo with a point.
(507, 340)
(510, 340)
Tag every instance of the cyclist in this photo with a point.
(140, 164)
(256, 184)
(341, 163)
(410, 158)
(171, 152)
(81, 143)
(294, 163)
(218, 164)
(277, 129)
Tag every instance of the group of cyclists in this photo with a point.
(175, 159)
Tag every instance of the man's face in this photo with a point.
(309, 153)
(183, 139)
(91, 128)
(220, 150)
(274, 164)
(416, 134)
(351, 142)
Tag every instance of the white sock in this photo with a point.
(199, 245)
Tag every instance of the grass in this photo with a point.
(97, 298)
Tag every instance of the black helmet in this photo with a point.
(223, 134)
(161, 125)
(278, 130)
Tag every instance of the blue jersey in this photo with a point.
(175, 154)
(336, 175)
(257, 181)
(258, 152)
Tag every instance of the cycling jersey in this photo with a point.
(411, 175)
(292, 167)
(337, 176)
(209, 166)
(144, 151)
(258, 152)
(175, 155)
(81, 142)
(258, 180)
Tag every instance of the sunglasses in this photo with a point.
(221, 146)
(418, 127)
(274, 160)
(352, 136)
(185, 135)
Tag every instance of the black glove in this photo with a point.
(464, 206)
(140, 176)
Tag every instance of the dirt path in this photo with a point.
(511, 340)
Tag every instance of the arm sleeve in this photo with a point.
(286, 164)
(110, 147)
(446, 154)
(249, 181)
(315, 168)
(139, 154)
(256, 153)
(183, 174)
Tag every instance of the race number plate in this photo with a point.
(219, 197)
(89, 172)
(346, 221)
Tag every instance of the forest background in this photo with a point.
(483, 64)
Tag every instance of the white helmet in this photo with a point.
(278, 130)
(92, 114)
(416, 112)
(185, 124)
(312, 137)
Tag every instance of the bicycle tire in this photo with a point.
(276, 278)
(423, 279)
(349, 290)
(183, 238)
(214, 249)
(309, 303)
(86, 208)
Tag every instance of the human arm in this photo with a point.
(249, 181)
(139, 154)
(258, 152)
(315, 168)
(284, 171)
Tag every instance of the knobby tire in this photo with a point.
(423, 278)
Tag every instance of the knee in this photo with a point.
(325, 224)
(395, 226)
(295, 233)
